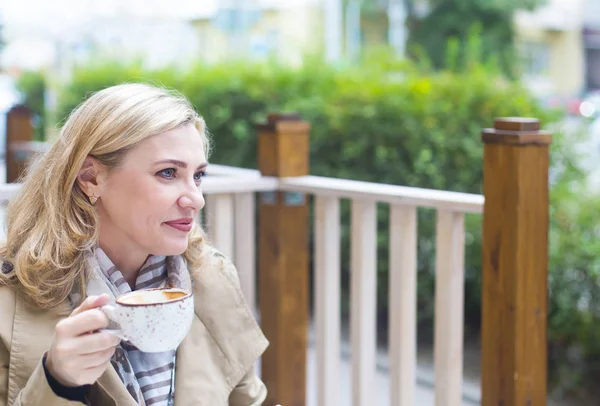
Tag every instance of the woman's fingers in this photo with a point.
(79, 354)
(91, 302)
(96, 359)
(93, 343)
(82, 323)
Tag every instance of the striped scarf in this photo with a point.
(149, 377)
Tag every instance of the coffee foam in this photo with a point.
(151, 296)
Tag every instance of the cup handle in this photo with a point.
(110, 312)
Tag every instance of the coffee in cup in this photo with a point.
(153, 320)
(151, 296)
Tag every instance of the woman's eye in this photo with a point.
(167, 173)
(199, 175)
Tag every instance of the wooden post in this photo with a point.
(515, 263)
(19, 131)
(283, 260)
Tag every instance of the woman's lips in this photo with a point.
(184, 225)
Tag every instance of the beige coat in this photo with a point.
(215, 362)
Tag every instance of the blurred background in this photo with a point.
(397, 91)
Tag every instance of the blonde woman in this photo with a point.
(113, 202)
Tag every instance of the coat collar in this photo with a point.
(221, 314)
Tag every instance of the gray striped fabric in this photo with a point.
(149, 377)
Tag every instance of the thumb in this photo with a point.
(91, 302)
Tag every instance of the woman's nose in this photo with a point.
(193, 199)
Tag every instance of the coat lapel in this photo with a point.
(110, 388)
(223, 343)
(201, 370)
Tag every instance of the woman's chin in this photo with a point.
(171, 248)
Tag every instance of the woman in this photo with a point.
(110, 209)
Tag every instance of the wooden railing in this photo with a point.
(514, 264)
(403, 202)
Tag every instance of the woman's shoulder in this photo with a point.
(221, 263)
(215, 263)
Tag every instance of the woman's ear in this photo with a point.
(91, 177)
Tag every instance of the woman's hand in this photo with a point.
(79, 355)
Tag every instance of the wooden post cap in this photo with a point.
(283, 145)
(20, 110)
(274, 117)
(288, 122)
(516, 131)
(517, 124)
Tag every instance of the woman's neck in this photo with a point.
(125, 260)
(127, 256)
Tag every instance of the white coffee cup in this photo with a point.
(153, 320)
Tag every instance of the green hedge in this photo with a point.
(412, 127)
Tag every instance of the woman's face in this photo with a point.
(148, 204)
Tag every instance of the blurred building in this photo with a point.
(591, 42)
(285, 30)
(559, 42)
(550, 40)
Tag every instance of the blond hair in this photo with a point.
(51, 226)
